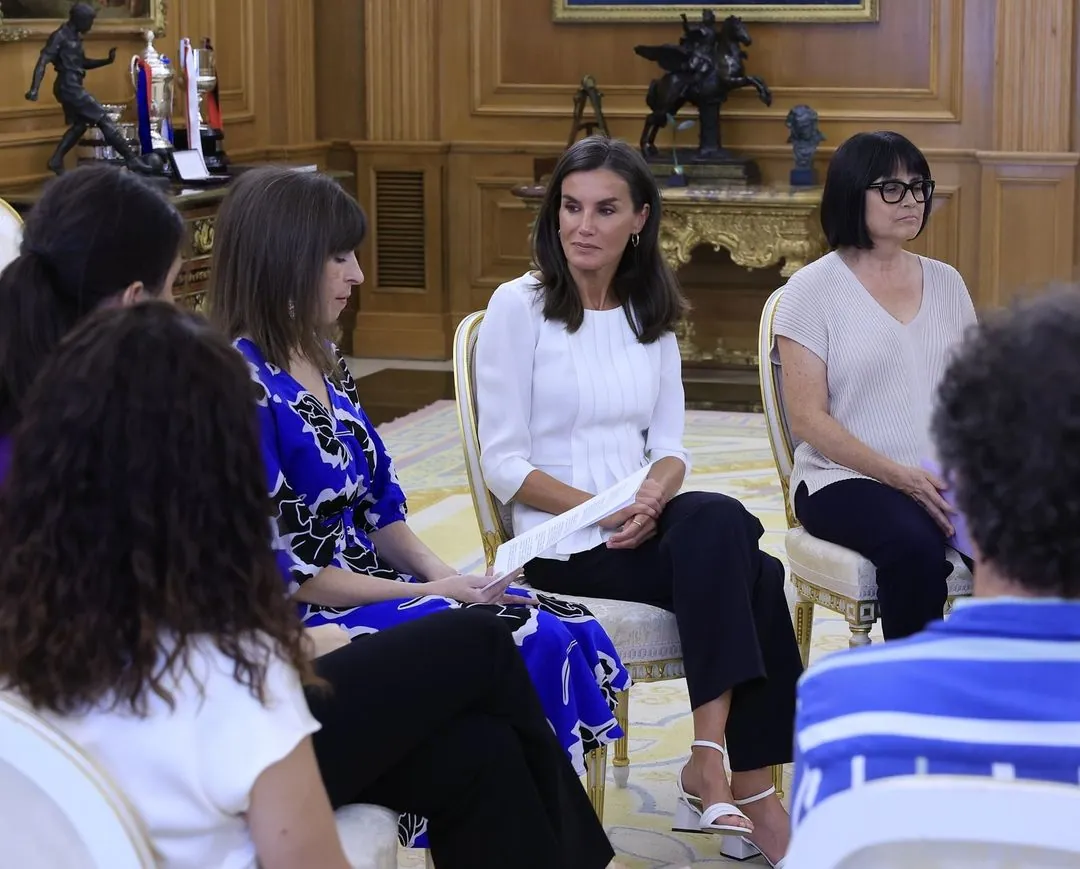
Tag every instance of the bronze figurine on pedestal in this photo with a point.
(64, 50)
(701, 70)
(804, 138)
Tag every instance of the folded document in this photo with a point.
(519, 551)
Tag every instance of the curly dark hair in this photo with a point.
(1007, 426)
(134, 519)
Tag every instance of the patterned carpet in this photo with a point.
(731, 455)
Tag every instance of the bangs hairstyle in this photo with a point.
(134, 522)
(644, 284)
(858, 163)
(275, 232)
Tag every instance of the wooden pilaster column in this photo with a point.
(1033, 87)
(1028, 226)
(402, 65)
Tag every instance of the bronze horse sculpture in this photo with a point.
(702, 70)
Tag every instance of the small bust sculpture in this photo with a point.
(64, 50)
(804, 138)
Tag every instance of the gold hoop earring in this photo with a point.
(635, 239)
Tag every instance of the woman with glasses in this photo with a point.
(864, 335)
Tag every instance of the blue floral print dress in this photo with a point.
(333, 484)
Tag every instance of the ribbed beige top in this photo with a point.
(882, 375)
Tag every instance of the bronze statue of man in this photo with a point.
(64, 50)
(701, 33)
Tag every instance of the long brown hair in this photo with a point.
(644, 284)
(275, 232)
(134, 518)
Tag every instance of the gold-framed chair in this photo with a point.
(11, 224)
(58, 807)
(822, 573)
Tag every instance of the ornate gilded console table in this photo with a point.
(759, 226)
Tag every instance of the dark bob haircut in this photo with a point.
(275, 231)
(858, 163)
(1007, 424)
(644, 284)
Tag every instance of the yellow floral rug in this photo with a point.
(731, 455)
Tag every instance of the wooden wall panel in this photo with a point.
(1034, 84)
(398, 316)
(962, 78)
(1027, 224)
(402, 68)
(341, 101)
(469, 92)
(926, 68)
(910, 66)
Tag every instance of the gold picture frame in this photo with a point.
(149, 15)
(633, 11)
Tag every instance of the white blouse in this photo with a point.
(189, 770)
(587, 408)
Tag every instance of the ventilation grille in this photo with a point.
(399, 229)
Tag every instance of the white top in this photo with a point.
(588, 408)
(882, 375)
(188, 772)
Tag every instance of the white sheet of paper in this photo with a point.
(517, 552)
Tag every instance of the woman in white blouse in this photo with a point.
(579, 385)
(864, 335)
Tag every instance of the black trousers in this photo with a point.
(439, 717)
(896, 534)
(704, 565)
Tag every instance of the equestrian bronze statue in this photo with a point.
(701, 70)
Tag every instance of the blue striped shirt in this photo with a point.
(994, 690)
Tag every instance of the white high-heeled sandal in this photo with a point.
(741, 848)
(692, 817)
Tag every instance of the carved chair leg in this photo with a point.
(804, 627)
(621, 761)
(778, 780)
(595, 774)
(860, 634)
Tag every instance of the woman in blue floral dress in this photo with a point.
(284, 268)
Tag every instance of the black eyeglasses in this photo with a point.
(893, 190)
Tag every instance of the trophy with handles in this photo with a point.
(152, 78)
(199, 70)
